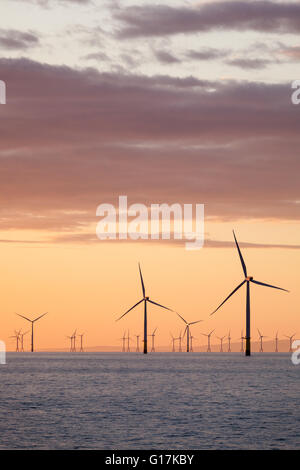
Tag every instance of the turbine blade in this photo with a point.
(181, 318)
(259, 332)
(159, 305)
(141, 276)
(36, 319)
(185, 331)
(193, 322)
(129, 310)
(268, 285)
(23, 317)
(154, 331)
(240, 255)
(240, 285)
(212, 331)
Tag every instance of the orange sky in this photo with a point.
(88, 286)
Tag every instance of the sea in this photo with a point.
(168, 401)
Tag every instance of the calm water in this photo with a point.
(160, 401)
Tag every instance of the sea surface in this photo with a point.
(168, 401)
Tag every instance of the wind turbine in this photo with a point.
(276, 342)
(187, 331)
(153, 336)
(137, 343)
(229, 342)
(32, 322)
(123, 341)
(22, 339)
(208, 339)
(128, 339)
(242, 341)
(179, 339)
(17, 336)
(291, 340)
(191, 338)
(74, 341)
(173, 342)
(247, 280)
(81, 347)
(261, 338)
(221, 339)
(145, 300)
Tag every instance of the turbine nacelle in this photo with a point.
(249, 278)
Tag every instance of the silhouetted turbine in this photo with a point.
(173, 342)
(261, 338)
(32, 322)
(276, 342)
(17, 337)
(247, 280)
(191, 339)
(22, 339)
(187, 331)
(291, 341)
(145, 300)
(208, 339)
(221, 339)
(153, 337)
(81, 341)
(137, 343)
(229, 342)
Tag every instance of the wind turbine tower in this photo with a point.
(291, 341)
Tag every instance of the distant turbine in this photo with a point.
(145, 300)
(32, 322)
(247, 280)
(261, 338)
(179, 339)
(17, 337)
(187, 331)
(123, 341)
(208, 340)
(128, 339)
(242, 341)
(22, 339)
(153, 337)
(276, 342)
(291, 341)
(191, 339)
(173, 342)
(72, 339)
(137, 343)
(229, 342)
(221, 339)
(81, 346)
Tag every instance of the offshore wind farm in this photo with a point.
(19, 337)
(149, 225)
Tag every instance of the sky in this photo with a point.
(165, 102)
